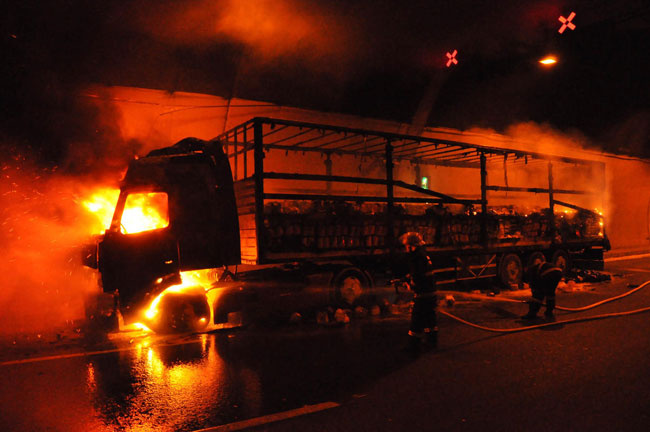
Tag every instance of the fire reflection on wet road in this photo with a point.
(176, 387)
(195, 381)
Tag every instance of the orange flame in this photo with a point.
(190, 279)
(144, 212)
(202, 279)
(102, 204)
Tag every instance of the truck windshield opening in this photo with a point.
(144, 212)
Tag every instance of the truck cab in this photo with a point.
(175, 212)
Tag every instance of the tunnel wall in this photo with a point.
(158, 118)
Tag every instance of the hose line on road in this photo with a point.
(625, 294)
(556, 323)
(547, 324)
(564, 308)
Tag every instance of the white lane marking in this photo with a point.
(627, 257)
(87, 353)
(257, 421)
(637, 270)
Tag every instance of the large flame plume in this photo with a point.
(44, 224)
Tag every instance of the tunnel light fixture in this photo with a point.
(548, 61)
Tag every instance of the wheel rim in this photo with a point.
(350, 289)
(182, 312)
(511, 270)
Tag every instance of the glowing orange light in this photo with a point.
(191, 279)
(547, 61)
(566, 22)
(452, 58)
(144, 212)
(102, 204)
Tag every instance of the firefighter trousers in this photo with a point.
(424, 319)
(545, 289)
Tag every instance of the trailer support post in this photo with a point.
(551, 202)
(389, 196)
(484, 215)
(236, 151)
(328, 171)
(245, 153)
(259, 186)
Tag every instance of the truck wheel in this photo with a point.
(182, 312)
(535, 258)
(510, 271)
(350, 284)
(561, 259)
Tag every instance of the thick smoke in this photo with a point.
(42, 284)
(268, 33)
(44, 222)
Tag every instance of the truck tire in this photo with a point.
(350, 284)
(561, 259)
(535, 258)
(511, 271)
(182, 312)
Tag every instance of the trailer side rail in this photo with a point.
(247, 144)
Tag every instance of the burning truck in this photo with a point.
(206, 232)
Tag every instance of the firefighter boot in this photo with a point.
(550, 305)
(534, 307)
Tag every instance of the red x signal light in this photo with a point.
(566, 22)
(452, 58)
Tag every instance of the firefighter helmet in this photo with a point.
(411, 239)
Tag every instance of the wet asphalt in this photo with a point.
(586, 376)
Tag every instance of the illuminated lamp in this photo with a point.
(548, 61)
(424, 182)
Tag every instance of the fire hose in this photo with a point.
(556, 323)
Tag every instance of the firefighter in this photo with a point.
(543, 278)
(419, 277)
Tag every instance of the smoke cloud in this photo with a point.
(42, 283)
(44, 222)
(264, 30)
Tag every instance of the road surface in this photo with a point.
(592, 375)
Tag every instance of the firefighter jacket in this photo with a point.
(544, 277)
(420, 269)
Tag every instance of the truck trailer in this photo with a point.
(272, 202)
